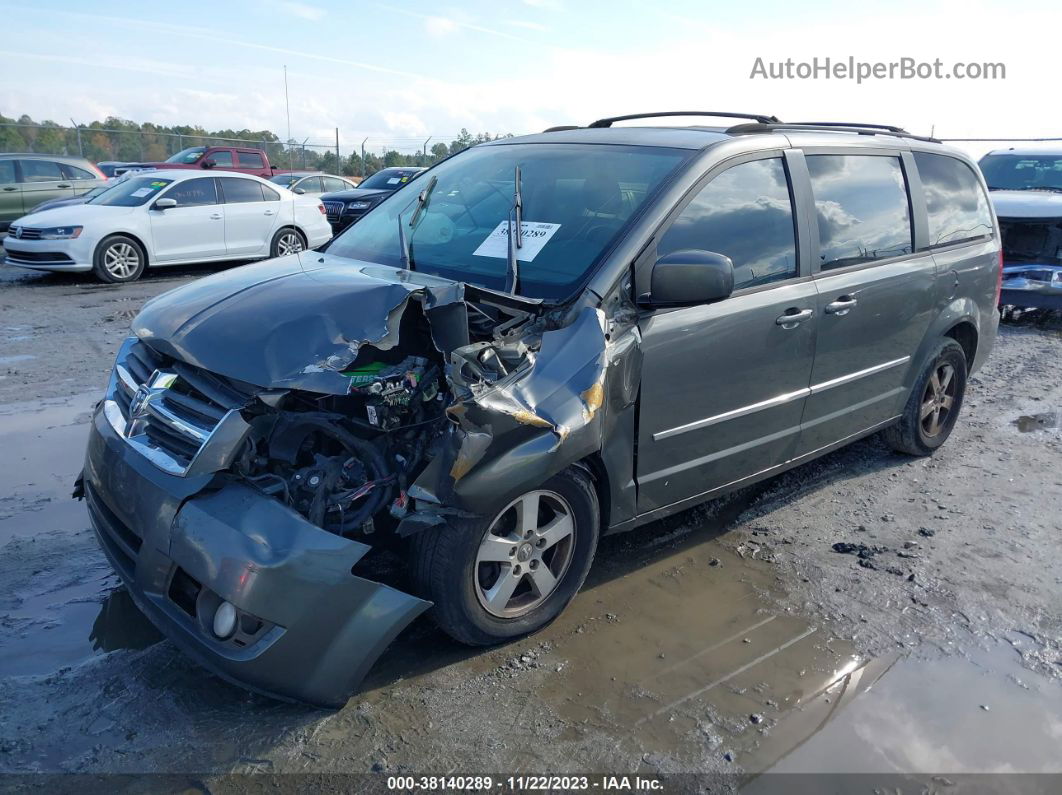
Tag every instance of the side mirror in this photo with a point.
(164, 204)
(299, 191)
(209, 163)
(689, 277)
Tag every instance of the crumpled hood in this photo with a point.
(292, 322)
(1027, 203)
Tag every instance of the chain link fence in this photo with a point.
(147, 143)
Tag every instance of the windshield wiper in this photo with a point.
(403, 240)
(516, 241)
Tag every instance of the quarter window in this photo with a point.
(239, 191)
(745, 213)
(270, 194)
(194, 192)
(862, 208)
(333, 184)
(41, 171)
(250, 160)
(309, 185)
(955, 202)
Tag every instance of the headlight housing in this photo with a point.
(61, 233)
(359, 205)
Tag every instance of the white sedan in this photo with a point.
(169, 217)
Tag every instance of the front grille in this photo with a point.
(169, 409)
(334, 210)
(24, 233)
(37, 257)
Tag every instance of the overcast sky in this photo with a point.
(407, 70)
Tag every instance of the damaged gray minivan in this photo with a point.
(538, 341)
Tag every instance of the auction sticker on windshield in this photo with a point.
(535, 236)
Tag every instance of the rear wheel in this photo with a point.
(496, 579)
(287, 241)
(934, 404)
(118, 259)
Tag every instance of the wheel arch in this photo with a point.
(138, 239)
(965, 333)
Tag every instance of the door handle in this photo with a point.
(793, 317)
(842, 305)
(216, 217)
(9, 188)
(62, 185)
(270, 212)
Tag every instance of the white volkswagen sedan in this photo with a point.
(172, 217)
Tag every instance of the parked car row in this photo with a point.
(28, 180)
(168, 217)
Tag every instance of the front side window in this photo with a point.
(131, 193)
(577, 199)
(194, 192)
(240, 191)
(1020, 171)
(222, 158)
(955, 203)
(745, 213)
(250, 160)
(332, 184)
(862, 208)
(41, 171)
(310, 185)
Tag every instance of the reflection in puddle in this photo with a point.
(56, 630)
(1049, 421)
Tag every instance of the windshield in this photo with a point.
(286, 180)
(576, 201)
(131, 193)
(1022, 172)
(389, 178)
(189, 155)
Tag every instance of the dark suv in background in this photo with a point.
(539, 341)
(1026, 189)
(347, 206)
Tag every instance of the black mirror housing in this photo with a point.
(689, 277)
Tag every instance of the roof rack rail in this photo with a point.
(859, 129)
(561, 128)
(721, 114)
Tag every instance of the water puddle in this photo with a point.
(1048, 421)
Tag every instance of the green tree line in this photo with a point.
(127, 141)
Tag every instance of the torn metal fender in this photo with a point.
(513, 435)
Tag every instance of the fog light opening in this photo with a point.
(224, 620)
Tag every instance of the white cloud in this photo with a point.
(440, 26)
(312, 13)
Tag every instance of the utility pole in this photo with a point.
(425, 152)
(363, 140)
(338, 169)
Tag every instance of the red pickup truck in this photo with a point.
(222, 158)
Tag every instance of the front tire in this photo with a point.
(118, 259)
(934, 404)
(499, 578)
(287, 241)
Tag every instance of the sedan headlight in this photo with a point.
(363, 205)
(61, 233)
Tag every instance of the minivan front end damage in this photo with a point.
(243, 466)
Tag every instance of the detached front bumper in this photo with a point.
(308, 629)
(1032, 286)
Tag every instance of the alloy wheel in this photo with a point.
(289, 243)
(525, 554)
(938, 399)
(121, 260)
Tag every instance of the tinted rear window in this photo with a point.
(955, 202)
(862, 208)
(238, 191)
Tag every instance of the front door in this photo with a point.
(249, 218)
(875, 298)
(195, 228)
(723, 385)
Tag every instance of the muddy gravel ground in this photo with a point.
(866, 613)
